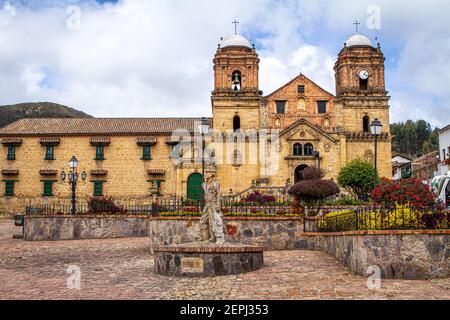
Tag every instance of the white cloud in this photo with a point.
(154, 58)
(32, 76)
(314, 62)
(7, 13)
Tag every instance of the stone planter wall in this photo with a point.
(47, 228)
(399, 254)
(270, 233)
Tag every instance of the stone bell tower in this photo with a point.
(361, 97)
(236, 97)
(360, 85)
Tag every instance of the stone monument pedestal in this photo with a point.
(204, 259)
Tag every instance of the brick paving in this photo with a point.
(123, 269)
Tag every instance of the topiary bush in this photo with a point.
(357, 178)
(312, 193)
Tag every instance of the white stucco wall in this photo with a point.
(444, 144)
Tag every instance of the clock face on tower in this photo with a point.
(364, 74)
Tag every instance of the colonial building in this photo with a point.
(257, 139)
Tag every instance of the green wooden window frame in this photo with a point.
(49, 152)
(11, 152)
(322, 106)
(98, 188)
(48, 188)
(9, 188)
(156, 183)
(100, 152)
(146, 152)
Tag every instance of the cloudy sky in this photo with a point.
(153, 58)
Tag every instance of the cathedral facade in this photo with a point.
(253, 138)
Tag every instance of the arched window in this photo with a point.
(366, 124)
(309, 149)
(236, 123)
(363, 84)
(297, 149)
(236, 80)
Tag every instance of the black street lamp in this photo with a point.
(316, 155)
(204, 129)
(375, 129)
(72, 179)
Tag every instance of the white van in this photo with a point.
(440, 185)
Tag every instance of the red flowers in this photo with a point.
(404, 192)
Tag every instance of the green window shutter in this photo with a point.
(100, 153)
(9, 188)
(49, 153)
(48, 188)
(11, 152)
(146, 153)
(98, 188)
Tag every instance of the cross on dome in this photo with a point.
(235, 22)
(356, 23)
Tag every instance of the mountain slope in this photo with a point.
(11, 113)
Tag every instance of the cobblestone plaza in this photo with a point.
(123, 269)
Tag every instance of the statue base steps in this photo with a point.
(205, 259)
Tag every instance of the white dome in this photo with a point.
(358, 40)
(236, 40)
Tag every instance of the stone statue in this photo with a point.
(211, 223)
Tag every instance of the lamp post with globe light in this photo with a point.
(204, 129)
(375, 129)
(72, 178)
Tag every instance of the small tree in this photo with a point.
(312, 192)
(357, 178)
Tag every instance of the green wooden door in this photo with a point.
(194, 187)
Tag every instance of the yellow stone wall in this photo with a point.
(127, 173)
(224, 113)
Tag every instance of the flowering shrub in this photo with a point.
(253, 213)
(396, 218)
(259, 198)
(408, 192)
(98, 205)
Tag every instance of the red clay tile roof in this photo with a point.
(15, 141)
(99, 172)
(10, 172)
(48, 172)
(98, 126)
(50, 141)
(156, 172)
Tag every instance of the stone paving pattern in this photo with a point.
(123, 269)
